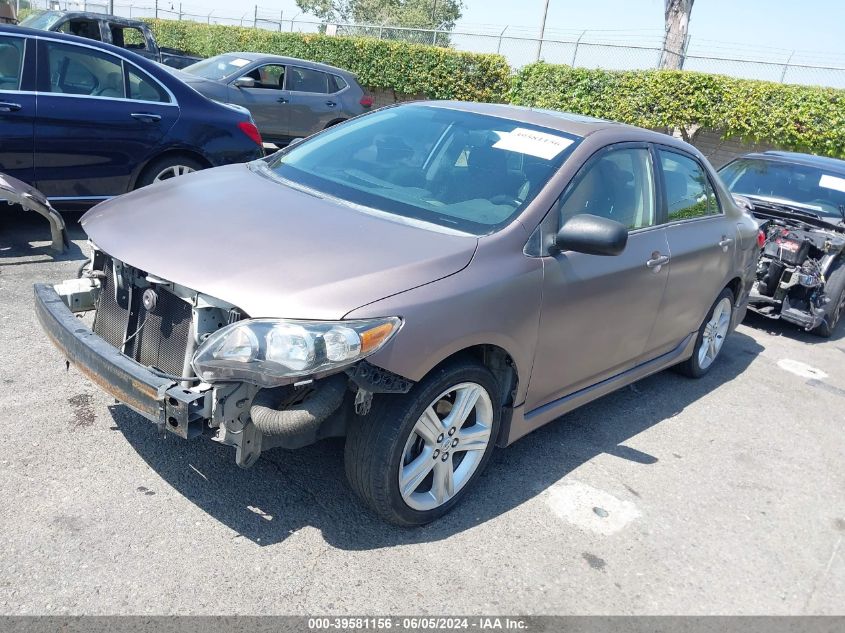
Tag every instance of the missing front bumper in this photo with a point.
(158, 399)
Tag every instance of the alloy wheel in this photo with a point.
(173, 171)
(714, 333)
(446, 446)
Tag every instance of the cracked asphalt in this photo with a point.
(719, 496)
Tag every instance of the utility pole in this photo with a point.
(677, 30)
(111, 7)
(542, 31)
(156, 13)
(255, 18)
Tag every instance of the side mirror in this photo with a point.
(244, 82)
(295, 141)
(592, 235)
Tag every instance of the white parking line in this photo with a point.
(801, 369)
(588, 508)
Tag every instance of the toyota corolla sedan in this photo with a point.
(428, 281)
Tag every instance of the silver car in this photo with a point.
(427, 281)
(288, 98)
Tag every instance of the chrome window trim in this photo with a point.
(174, 101)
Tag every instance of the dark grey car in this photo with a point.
(288, 98)
(429, 280)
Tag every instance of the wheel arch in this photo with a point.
(334, 122)
(503, 367)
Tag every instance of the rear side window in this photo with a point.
(84, 71)
(618, 185)
(336, 84)
(307, 80)
(143, 88)
(11, 62)
(129, 37)
(689, 193)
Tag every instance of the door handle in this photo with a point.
(657, 262)
(725, 243)
(146, 117)
(331, 104)
(9, 107)
(281, 100)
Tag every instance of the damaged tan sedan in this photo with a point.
(428, 281)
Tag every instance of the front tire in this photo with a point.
(711, 337)
(835, 290)
(415, 455)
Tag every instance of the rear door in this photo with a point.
(17, 106)
(598, 312)
(268, 101)
(702, 241)
(99, 118)
(312, 107)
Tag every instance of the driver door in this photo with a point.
(598, 311)
(268, 101)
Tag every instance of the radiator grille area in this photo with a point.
(162, 341)
(110, 320)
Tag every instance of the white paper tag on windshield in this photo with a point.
(832, 182)
(239, 63)
(532, 143)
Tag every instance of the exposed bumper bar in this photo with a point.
(158, 399)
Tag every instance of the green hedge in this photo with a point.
(438, 73)
(797, 117)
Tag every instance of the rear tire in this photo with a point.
(711, 337)
(166, 168)
(415, 438)
(835, 289)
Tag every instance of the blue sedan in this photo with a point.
(85, 121)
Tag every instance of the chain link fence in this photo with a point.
(612, 50)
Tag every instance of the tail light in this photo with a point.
(761, 239)
(366, 101)
(248, 128)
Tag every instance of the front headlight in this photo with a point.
(267, 352)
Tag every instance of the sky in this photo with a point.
(805, 25)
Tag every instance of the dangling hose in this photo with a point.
(300, 418)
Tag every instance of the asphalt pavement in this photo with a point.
(724, 495)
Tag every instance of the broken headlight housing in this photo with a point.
(268, 352)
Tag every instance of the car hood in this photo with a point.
(270, 249)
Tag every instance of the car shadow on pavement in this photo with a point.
(25, 238)
(776, 327)
(289, 490)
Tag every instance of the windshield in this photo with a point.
(815, 189)
(42, 20)
(217, 68)
(462, 170)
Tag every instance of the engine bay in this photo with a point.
(792, 270)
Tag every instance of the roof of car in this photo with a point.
(254, 57)
(797, 158)
(576, 124)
